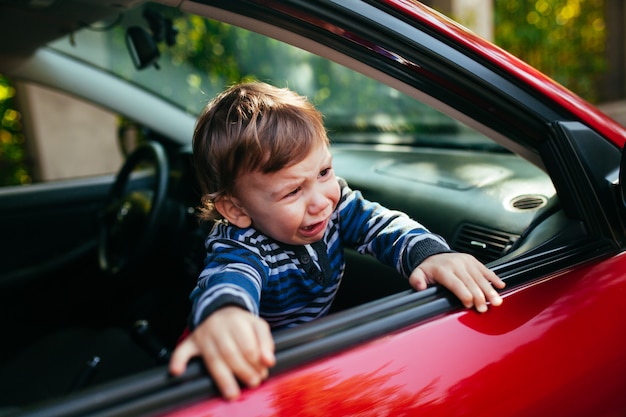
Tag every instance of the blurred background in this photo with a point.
(579, 43)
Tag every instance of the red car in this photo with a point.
(100, 252)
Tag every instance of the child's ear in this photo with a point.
(231, 211)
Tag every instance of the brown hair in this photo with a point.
(251, 127)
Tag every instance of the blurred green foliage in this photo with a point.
(565, 39)
(13, 161)
(221, 55)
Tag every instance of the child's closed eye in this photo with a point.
(293, 192)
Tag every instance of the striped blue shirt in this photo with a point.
(288, 285)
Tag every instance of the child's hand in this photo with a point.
(233, 344)
(462, 274)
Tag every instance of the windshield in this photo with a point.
(198, 58)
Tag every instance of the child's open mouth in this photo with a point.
(314, 229)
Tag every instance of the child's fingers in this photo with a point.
(230, 358)
(476, 286)
(223, 376)
(487, 280)
(458, 282)
(244, 353)
(418, 279)
(266, 344)
(468, 279)
(181, 356)
(481, 281)
(490, 293)
(492, 277)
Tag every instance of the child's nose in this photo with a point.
(317, 202)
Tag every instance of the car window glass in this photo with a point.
(205, 56)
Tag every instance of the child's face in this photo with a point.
(292, 205)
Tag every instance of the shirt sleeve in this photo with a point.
(390, 236)
(232, 275)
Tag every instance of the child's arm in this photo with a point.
(233, 343)
(464, 275)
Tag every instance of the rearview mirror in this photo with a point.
(143, 50)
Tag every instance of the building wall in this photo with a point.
(59, 125)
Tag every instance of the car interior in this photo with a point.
(100, 267)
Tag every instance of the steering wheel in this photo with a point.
(134, 209)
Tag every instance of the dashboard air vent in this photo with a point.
(484, 243)
(528, 202)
